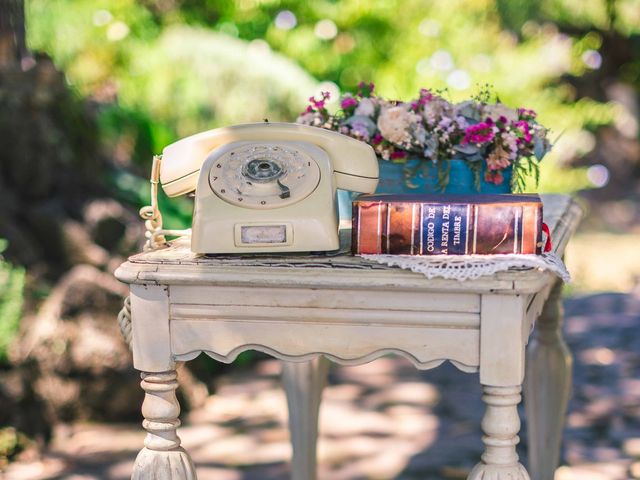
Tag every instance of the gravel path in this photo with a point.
(385, 420)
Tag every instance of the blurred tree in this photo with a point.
(12, 34)
(531, 52)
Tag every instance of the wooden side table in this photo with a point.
(306, 310)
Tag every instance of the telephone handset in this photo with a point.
(266, 187)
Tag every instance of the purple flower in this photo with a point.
(397, 154)
(360, 131)
(462, 122)
(445, 122)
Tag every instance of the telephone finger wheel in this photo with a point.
(264, 176)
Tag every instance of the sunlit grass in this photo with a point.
(602, 261)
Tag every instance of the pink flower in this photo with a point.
(319, 104)
(365, 89)
(370, 86)
(377, 139)
(527, 113)
(523, 127)
(398, 154)
(479, 133)
(348, 102)
(425, 96)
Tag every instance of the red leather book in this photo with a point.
(447, 224)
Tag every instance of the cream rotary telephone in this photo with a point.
(261, 187)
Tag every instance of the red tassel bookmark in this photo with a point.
(547, 245)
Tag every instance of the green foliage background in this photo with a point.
(160, 70)
(12, 282)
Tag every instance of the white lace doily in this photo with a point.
(469, 267)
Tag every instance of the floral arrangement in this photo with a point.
(434, 130)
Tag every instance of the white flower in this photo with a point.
(305, 118)
(310, 118)
(395, 124)
(435, 109)
(500, 110)
(366, 108)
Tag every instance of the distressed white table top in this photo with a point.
(177, 265)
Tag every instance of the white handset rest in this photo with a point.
(354, 162)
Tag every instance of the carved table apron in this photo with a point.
(306, 309)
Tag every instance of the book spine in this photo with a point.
(531, 229)
(461, 223)
(501, 229)
(403, 223)
(445, 229)
(430, 229)
(417, 228)
(369, 228)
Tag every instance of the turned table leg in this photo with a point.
(303, 383)
(547, 388)
(502, 342)
(500, 425)
(162, 458)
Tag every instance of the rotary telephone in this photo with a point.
(261, 187)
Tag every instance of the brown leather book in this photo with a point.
(447, 224)
(402, 229)
(372, 219)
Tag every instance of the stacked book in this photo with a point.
(447, 224)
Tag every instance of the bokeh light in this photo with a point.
(286, 20)
(442, 60)
(326, 29)
(429, 28)
(592, 59)
(598, 175)
(459, 79)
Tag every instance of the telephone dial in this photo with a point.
(262, 187)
